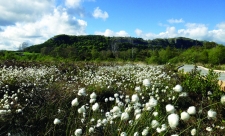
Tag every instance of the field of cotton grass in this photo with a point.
(108, 99)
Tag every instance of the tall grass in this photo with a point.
(131, 99)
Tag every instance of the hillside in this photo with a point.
(96, 47)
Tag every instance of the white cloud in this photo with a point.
(23, 10)
(191, 30)
(72, 3)
(172, 21)
(138, 32)
(218, 34)
(98, 13)
(58, 22)
(109, 32)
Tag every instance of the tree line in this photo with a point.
(101, 48)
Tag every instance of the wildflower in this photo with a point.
(106, 99)
(18, 110)
(211, 114)
(155, 113)
(137, 116)
(104, 121)
(175, 135)
(154, 123)
(82, 92)
(124, 116)
(173, 120)
(74, 102)
(123, 134)
(146, 82)
(81, 109)
(222, 100)
(163, 128)
(183, 94)
(184, 116)
(170, 108)
(116, 109)
(111, 99)
(95, 107)
(145, 131)
(178, 88)
(209, 129)
(91, 130)
(152, 102)
(193, 132)
(116, 95)
(128, 109)
(92, 100)
(191, 110)
(93, 95)
(136, 134)
(137, 111)
(78, 132)
(134, 98)
(137, 89)
(131, 122)
(56, 121)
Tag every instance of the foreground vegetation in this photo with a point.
(108, 99)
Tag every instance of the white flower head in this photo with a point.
(82, 109)
(153, 102)
(92, 100)
(78, 132)
(209, 129)
(173, 120)
(154, 123)
(222, 100)
(124, 116)
(191, 110)
(184, 116)
(116, 109)
(178, 88)
(193, 132)
(91, 130)
(93, 95)
(136, 134)
(82, 92)
(135, 98)
(95, 107)
(56, 121)
(155, 113)
(75, 102)
(145, 131)
(137, 116)
(123, 134)
(146, 82)
(170, 108)
(212, 114)
(137, 89)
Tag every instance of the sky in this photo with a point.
(35, 21)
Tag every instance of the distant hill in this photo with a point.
(87, 47)
(104, 43)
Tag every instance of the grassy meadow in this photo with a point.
(108, 99)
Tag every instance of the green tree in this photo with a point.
(216, 55)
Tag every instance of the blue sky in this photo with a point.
(36, 21)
